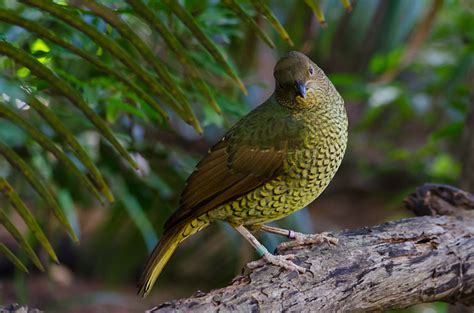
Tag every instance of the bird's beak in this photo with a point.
(300, 89)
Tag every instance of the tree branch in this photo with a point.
(392, 265)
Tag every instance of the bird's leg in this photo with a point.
(299, 238)
(267, 257)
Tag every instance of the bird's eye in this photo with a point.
(311, 70)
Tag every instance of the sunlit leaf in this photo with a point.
(112, 47)
(23, 72)
(43, 72)
(10, 17)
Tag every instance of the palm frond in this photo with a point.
(9, 16)
(141, 47)
(263, 9)
(10, 256)
(240, 12)
(315, 5)
(9, 193)
(48, 145)
(18, 163)
(67, 91)
(206, 42)
(177, 48)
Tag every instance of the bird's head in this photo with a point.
(296, 80)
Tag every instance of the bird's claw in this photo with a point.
(300, 239)
(278, 260)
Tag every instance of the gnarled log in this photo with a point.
(392, 265)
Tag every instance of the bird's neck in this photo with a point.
(288, 98)
(320, 98)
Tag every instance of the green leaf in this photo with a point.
(452, 130)
(10, 17)
(23, 72)
(9, 255)
(111, 46)
(263, 9)
(240, 12)
(205, 41)
(7, 190)
(137, 214)
(44, 73)
(65, 199)
(47, 144)
(113, 19)
(315, 5)
(79, 152)
(39, 45)
(115, 106)
(39, 49)
(177, 48)
(445, 167)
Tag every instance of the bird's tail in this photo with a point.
(164, 250)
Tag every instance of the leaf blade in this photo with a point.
(77, 149)
(263, 9)
(113, 19)
(174, 44)
(7, 190)
(316, 8)
(108, 44)
(10, 256)
(205, 41)
(48, 145)
(43, 72)
(240, 12)
(17, 162)
(10, 17)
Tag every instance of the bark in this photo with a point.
(392, 265)
(16, 308)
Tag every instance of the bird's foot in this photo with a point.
(300, 239)
(278, 260)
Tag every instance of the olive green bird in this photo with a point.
(273, 162)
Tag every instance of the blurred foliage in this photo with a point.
(401, 67)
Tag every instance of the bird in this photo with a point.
(273, 162)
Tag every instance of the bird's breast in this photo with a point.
(312, 165)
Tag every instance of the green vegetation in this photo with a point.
(101, 104)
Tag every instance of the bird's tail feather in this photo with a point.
(163, 251)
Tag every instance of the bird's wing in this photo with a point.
(249, 155)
